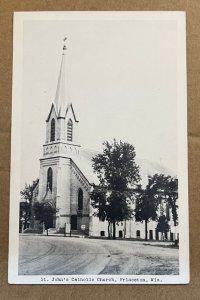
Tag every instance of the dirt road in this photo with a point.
(42, 255)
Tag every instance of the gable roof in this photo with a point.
(52, 107)
(68, 108)
(84, 163)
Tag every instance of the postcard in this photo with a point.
(99, 176)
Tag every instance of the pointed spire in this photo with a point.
(61, 95)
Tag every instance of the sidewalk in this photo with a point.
(141, 241)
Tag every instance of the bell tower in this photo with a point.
(60, 147)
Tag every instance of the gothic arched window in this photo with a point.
(80, 199)
(69, 130)
(52, 137)
(49, 179)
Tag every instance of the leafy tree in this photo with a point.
(26, 201)
(117, 172)
(165, 188)
(162, 226)
(146, 206)
(160, 188)
(27, 192)
(45, 212)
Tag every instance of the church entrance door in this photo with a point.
(74, 222)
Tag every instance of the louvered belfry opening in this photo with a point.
(70, 130)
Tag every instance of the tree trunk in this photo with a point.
(47, 232)
(114, 230)
(174, 213)
(146, 232)
(109, 230)
(25, 224)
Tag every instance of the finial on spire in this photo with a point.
(64, 45)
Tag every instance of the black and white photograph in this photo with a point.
(99, 184)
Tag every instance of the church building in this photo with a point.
(66, 175)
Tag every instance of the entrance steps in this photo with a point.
(78, 233)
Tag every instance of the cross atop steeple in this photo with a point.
(64, 44)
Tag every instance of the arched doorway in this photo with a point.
(74, 222)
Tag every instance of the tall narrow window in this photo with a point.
(52, 130)
(70, 130)
(80, 199)
(49, 179)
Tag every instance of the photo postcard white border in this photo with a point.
(13, 277)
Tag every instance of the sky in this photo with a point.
(121, 80)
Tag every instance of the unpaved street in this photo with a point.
(53, 255)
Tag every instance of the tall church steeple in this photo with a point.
(61, 100)
(61, 182)
(61, 124)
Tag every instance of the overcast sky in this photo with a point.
(122, 81)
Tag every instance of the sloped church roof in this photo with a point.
(147, 168)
